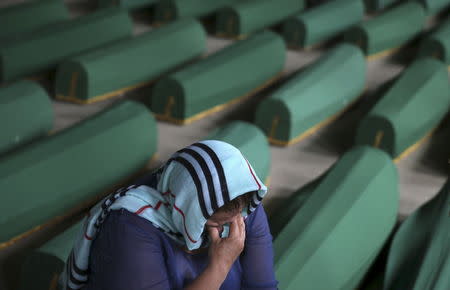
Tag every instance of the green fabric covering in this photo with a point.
(31, 16)
(169, 10)
(140, 59)
(43, 50)
(411, 108)
(435, 6)
(220, 78)
(438, 44)
(26, 113)
(291, 206)
(245, 17)
(335, 236)
(419, 257)
(51, 177)
(322, 22)
(314, 95)
(377, 5)
(127, 4)
(390, 29)
(42, 265)
(250, 140)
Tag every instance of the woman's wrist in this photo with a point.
(211, 278)
(220, 268)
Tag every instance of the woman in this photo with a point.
(196, 223)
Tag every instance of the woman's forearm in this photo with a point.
(211, 278)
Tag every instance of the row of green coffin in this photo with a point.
(34, 52)
(414, 105)
(322, 22)
(319, 93)
(201, 86)
(438, 43)
(90, 76)
(234, 18)
(221, 78)
(42, 264)
(52, 176)
(31, 16)
(419, 256)
(328, 233)
(391, 29)
(26, 114)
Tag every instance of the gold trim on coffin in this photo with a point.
(102, 97)
(231, 37)
(78, 209)
(171, 101)
(415, 146)
(311, 130)
(383, 53)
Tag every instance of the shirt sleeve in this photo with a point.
(257, 258)
(128, 257)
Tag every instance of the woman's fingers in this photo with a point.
(242, 227)
(213, 233)
(234, 229)
(237, 228)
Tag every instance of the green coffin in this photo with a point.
(42, 266)
(411, 109)
(26, 113)
(127, 4)
(44, 50)
(419, 257)
(219, 80)
(31, 16)
(51, 177)
(389, 30)
(94, 76)
(291, 206)
(377, 5)
(314, 97)
(322, 22)
(245, 17)
(435, 6)
(335, 236)
(438, 44)
(169, 10)
(250, 141)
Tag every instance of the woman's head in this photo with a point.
(207, 184)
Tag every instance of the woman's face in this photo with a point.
(221, 219)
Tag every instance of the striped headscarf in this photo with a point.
(193, 184)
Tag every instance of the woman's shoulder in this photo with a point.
(131, 223)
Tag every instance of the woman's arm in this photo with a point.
(257, 258)
(222, 254)
(125, 255)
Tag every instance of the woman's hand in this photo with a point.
(223, 252)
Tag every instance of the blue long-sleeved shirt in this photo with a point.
(130, 253)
